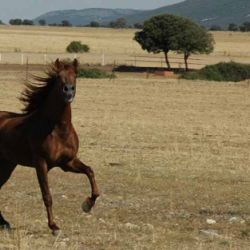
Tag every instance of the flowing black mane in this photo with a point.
(35, 93)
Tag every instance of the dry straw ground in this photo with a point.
(168, 156)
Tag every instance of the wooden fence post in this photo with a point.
(27, 69)
(22, 58)
(45, 59)
(103, 59)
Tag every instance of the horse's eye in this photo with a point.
(73, 87)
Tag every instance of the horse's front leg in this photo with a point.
(42, 175)
(76, 166)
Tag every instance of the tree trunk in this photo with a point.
(167, 61)
(186, 56)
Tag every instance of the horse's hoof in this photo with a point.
(56, 232)
(87, 205)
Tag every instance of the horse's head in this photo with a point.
(66, 79)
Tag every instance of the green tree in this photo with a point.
(66, 23)
(245, 27)
(233, 27)
(159, 34)
(193, 39)
(164, 33)
(94, 24)
(42, 22)
(215, 28)
(119, 23)
(27, 22)
(16, 21)
(138, 26)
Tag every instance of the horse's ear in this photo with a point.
(75, 64)
(58, 64)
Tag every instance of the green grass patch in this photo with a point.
(94, 73)
(222, 72)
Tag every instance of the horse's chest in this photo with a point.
(61, 147)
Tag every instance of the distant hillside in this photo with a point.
(85, 16)
(205, 12)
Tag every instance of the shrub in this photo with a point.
(77, 47)
(94, 73)
(233, 72)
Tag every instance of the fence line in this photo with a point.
(110, 59)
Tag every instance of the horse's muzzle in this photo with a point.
(69, 93)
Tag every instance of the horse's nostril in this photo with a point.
(65, 88)
(73, 88)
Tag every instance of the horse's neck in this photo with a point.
(64, 121)
(57, 114)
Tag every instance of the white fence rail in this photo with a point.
(46, 58)
(41, 58)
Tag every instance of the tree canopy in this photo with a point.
(166, 33)
(16, 21)
(94, 24)
(245, 27)
(42, 22)
(159, 35)
(193, 39)
(66, 23)
(118, 23)
(19, 21)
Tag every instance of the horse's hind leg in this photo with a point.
(6, 168)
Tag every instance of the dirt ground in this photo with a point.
(172, 163)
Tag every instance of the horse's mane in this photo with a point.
(35, 93)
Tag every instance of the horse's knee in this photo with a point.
(89, 171)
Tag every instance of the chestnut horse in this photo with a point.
(42, 136)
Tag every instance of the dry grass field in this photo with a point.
(115, 41)
(168, 154)
(55, 39)
(171, 156)
(117, 45)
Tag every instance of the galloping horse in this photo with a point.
(42, 136)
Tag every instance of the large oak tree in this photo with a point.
(166, 33)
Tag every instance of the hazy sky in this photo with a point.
(32, 8)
